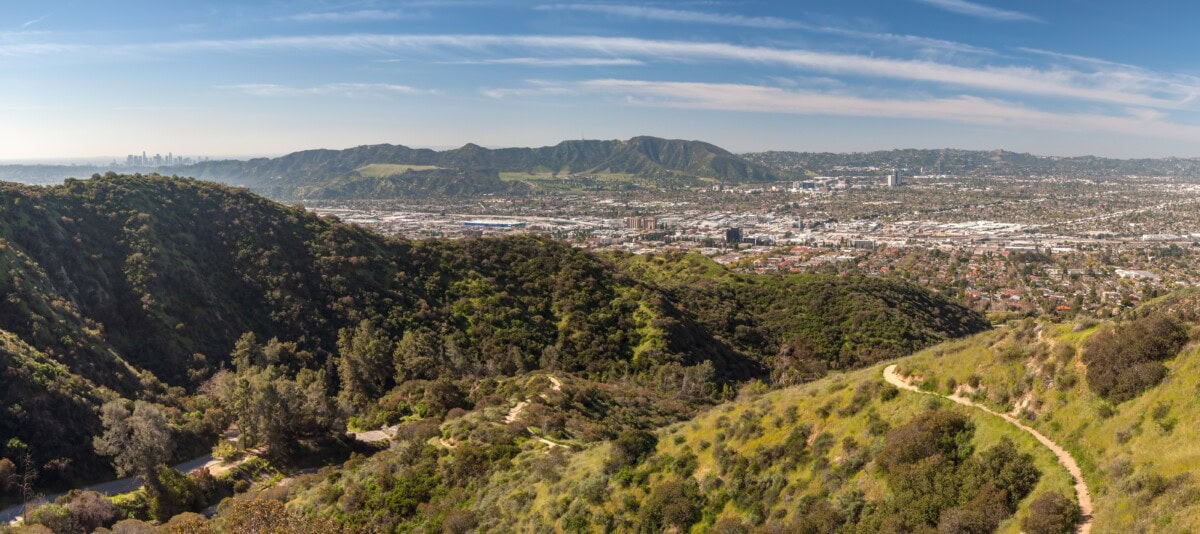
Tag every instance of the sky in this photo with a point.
(237, 78)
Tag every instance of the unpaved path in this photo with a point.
(373, 436)
(515, 413)
(1064, 458)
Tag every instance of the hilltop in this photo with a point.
(642, 161)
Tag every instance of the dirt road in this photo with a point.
(1064, 458)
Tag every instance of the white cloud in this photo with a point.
(679, 15)
(725, 19)
(765, 99)
(973, 9)
(338, 89)
(35, 49)
(556, 62)
(32, 22)
(365, 15)
(1115, 86)
(1073, 57)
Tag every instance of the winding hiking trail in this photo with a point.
(515, 413)
(1064, 458)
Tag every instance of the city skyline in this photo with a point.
(245, 79)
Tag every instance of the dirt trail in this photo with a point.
(372, 436)
(515, 413)
(1064, 458)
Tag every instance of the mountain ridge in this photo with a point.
(667, 162)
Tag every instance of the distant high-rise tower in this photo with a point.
(893, 179)
(733, 235)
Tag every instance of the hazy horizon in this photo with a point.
(105, 160)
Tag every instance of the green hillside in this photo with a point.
(1138, 455)
(846, 453)
(396, 181)
(972, 162)
(142, 286)
(652, 161)
(806, 320)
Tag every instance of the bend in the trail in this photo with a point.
(1082, 495)
(515, 413)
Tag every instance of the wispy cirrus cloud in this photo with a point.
(981, 11)
(555, 61)
(767, 99)
(1074, 58)
(1096, 86)
(680, 15)
(363, 15)
(774, 23)
(23, 49)
(32, 22)
(532, 88)
(1114, 86)
(336, 89)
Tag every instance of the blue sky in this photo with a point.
(1063, 77)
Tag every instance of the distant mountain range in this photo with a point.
(394, 171)
(475, 169)
(971, 162)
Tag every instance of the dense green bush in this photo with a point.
(55, 517)
(1125, 359)
(630, 448)
(1051, 513)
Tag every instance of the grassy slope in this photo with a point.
(1143, 495)
(380, 170)
(808, 401)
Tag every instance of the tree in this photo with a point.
(798, 361)
(365, 363)
(271, 408)
(137, 440)
(177, 493)
(247, 353)
(417, 355)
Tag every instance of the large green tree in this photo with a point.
(137, 439)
